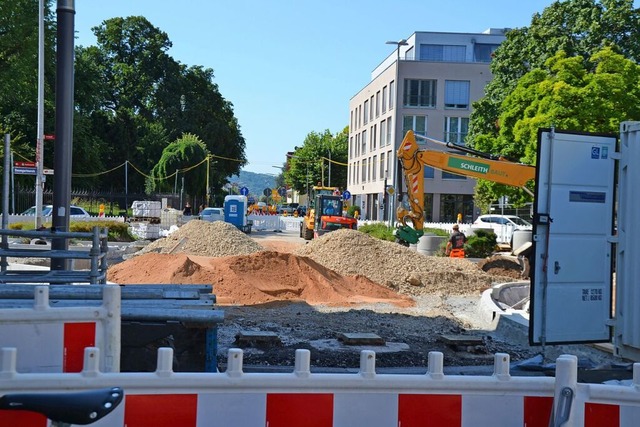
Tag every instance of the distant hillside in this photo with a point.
(255, 182)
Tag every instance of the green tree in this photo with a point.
(187, 155)
(309, 163)
(580, 28)
(569, 94)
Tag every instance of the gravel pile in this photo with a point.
(213, 239)
(350, 252)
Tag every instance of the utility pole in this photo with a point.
(40, 130)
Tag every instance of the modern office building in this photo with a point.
(427, 84)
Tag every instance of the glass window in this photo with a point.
(382, 165)
(453, 204)
(418, 124)
(456, 129)
(419, 93)
(374, 135)
(374, 168)
(449, 175)
(364, 142)
(383, 133)
(371, 107)
(366, 112)
(384, 100)
(364, 170)
(377, 104)
(442, 53)
(456, 94)
(429, 172)
(484, 52)
(392, 94)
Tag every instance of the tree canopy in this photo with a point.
(574, 67)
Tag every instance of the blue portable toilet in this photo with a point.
(235, 211)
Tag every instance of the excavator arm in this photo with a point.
(413, 160)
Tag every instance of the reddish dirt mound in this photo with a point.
(257, 278)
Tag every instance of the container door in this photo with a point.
(572, 233)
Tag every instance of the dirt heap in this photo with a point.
(213, 239)
(351, 252)
(341, 268)
(257, 278)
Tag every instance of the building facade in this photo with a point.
(426, 85)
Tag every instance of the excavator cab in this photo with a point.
(328, 215)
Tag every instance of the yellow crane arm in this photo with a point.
(414, 159)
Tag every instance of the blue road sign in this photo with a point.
(244, 191)
(24, 171)
(282, 191)
(346, 195)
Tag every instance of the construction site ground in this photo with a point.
(338, 295)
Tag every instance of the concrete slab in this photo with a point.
(258, 338)
(360, 338)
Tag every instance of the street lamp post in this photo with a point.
(401, 42)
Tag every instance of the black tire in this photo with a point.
(307, 233)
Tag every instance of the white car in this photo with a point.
(212, 214)
(502, 225)
(74, 211)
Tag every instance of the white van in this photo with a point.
(502, 225)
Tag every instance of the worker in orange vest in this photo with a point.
(455, 245)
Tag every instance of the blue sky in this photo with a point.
(289, 67)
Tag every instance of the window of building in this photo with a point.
(448, 175)
(456, 94)
(351, 147)
(374, 168)
(351, 120)
(418, 124)
(357, 144)
(453, 204)
(366, 112)
(428, 207)
(371, 107)
(389, 130)
(382, 165)
(419, 93)
(374, 135)
(383, 133)
(384, 100)
(429, 172)
(456, 129)
(389, 166)
(377, 104)
(443, 53)
(392, 94)
(364, 170)
(363, 151)
(483, 52)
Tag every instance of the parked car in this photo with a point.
(502, 225)
(74, 211)
(212, 214)
(288, 208)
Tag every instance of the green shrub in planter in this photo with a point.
(481, 245)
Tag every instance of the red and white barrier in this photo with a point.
(301, 398)
(53, 339)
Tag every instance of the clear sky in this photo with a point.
(290, 67)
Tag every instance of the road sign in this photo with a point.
(49, 137)
(267, 192)
(24, 164)
(47, 171)
(24, 171)
(244, 191)
(390, 190)
(282, 191)
(346, 195)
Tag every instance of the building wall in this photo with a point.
(368, 186)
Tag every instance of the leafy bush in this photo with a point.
(379, 231)
(351, 211)
(481, 245)
(436, 232)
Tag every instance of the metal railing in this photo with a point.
(97, 256)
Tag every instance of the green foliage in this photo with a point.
(181, 155)
(436, 232)
(351, 211)
(379, 231)
(309, 164)
(480, 245)
(574, 68)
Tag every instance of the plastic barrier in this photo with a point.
(275, 222)
(234, 398)
(53, 339)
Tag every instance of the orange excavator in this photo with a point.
(476, 165)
